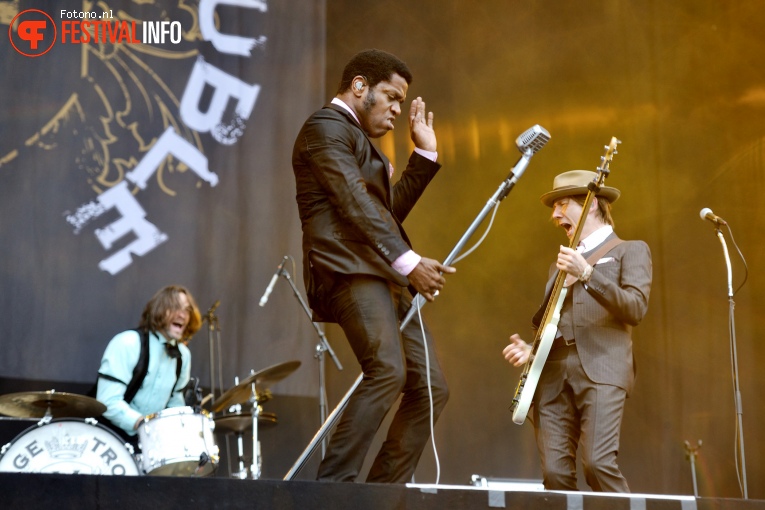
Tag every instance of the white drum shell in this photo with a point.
(70, 446)
(175, 441)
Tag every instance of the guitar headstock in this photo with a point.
(605, 161)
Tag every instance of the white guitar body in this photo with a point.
(530, 378)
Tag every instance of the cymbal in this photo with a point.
(241, 393)
(241, 422)
(35, 404)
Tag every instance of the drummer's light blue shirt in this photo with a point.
(119, 360)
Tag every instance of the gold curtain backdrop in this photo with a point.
(680, 83)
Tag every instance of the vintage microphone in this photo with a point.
(529, 142)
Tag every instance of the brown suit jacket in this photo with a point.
(604, 313)
(350, 213)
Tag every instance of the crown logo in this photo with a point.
(69, 448)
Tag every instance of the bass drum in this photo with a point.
(70, 446)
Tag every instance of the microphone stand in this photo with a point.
(417, 303)
(734, 365)
(321, 347)
(691, 452)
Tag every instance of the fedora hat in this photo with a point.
(574, 182)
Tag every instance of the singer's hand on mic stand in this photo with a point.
(427, 277)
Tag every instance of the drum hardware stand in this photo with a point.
(529, 142)
(255, 468)
(213, 338)
(691, 452)
(242, 473)
(257, 463)
(321, 347)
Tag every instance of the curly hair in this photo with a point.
(165, 301)
(375, 66)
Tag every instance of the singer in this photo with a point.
(358, 262)
(146, 370)
(579, 400)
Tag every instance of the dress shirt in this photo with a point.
(595, 239)
(119, 360)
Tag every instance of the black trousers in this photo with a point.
(369, 309)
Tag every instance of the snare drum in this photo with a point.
(71, 446)
(178, 442)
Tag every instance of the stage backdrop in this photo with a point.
(125, 167)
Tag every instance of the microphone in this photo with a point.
(532, 139)
(707, 214)
(271, 284)
(529, 142)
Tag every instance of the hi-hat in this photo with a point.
(241, 422)
(36, 404)
(241, 393)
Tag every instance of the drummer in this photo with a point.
(146, 370)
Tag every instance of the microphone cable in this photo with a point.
(486, 233)
(430, 396)
(427, 355)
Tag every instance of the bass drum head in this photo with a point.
(70, 446)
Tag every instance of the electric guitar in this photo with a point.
(548, 327)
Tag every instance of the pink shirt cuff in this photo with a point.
(406, 263)
(433, 156)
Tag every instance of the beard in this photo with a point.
(370, 101)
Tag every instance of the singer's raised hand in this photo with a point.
(421, 126)
(427, 277)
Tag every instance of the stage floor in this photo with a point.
(85, 492)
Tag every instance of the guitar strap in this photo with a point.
(595, 257)
(571, 279)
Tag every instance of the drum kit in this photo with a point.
(176, 441)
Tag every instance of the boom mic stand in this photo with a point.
(321, 347)
(529, 142)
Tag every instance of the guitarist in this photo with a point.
(580, 396)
